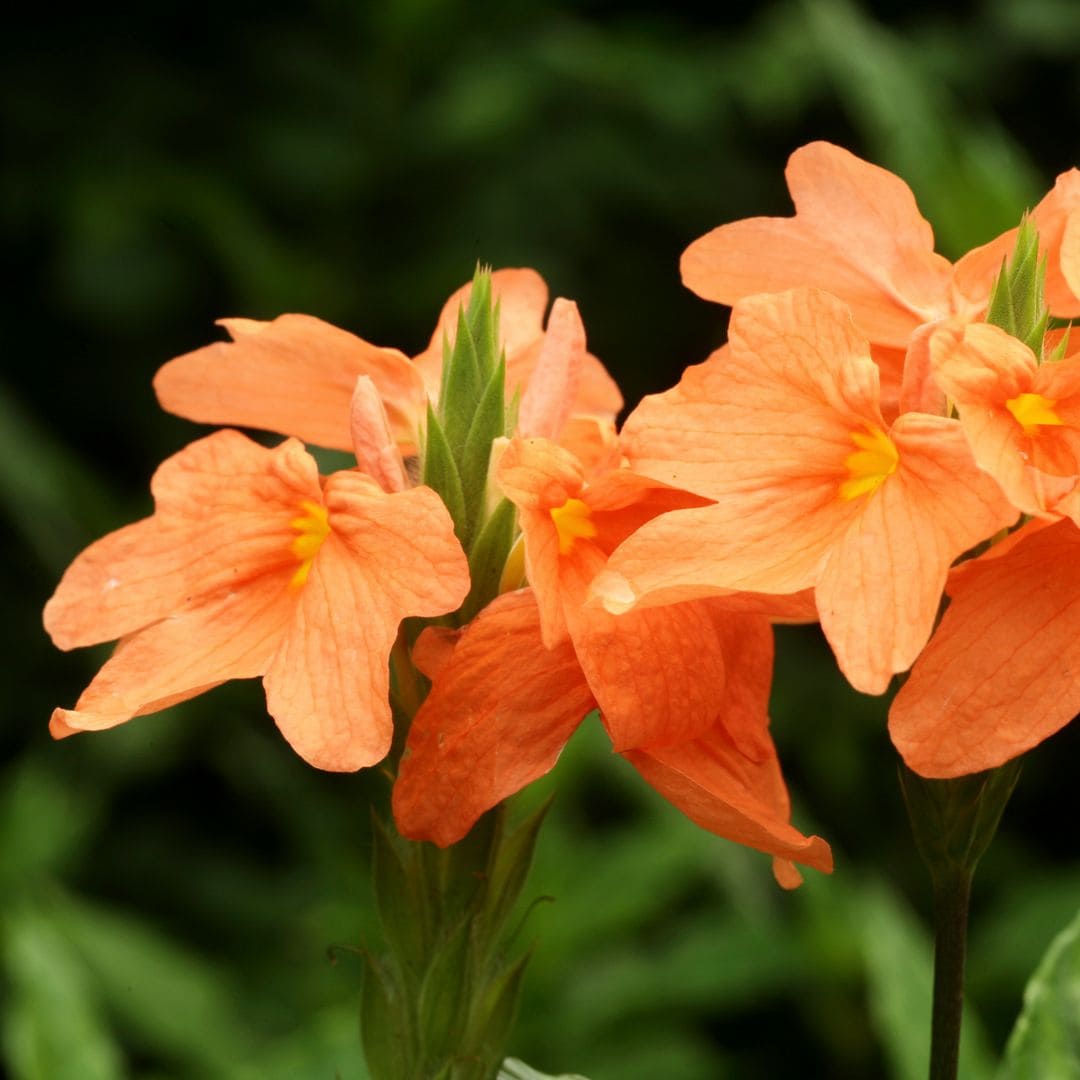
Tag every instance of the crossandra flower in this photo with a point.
(812, 487)
(296, 374)
(254, 566)
(682, 689)
(858, 234)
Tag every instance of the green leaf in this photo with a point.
(487, 559)
(52, 1027)
(167, 997)
(1046, 1040)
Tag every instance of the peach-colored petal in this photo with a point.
(295, 375)
(552, 388)
(1002, 671)
(231, 635)
(857, 233)
(377, 452)
(880, 586)
(497, 717)
(736, 797)
(224, 506)
(387, 557)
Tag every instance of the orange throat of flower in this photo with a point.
(871, 464)
(573, 522)
(1032, 412)
(312, 528)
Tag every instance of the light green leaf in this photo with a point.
(1046, 1040)
(512, 1069)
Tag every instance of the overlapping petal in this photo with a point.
(1002, 671)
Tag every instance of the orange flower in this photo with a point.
(813, 488)
(296, 374)
(251, 566)
(682, 689)
(858, 234)
(1021, 418)
(1002, 671)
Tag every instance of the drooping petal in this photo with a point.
(498, 715)
(294, 375)
(387, 557)
(223, 510)
(857, 233)
(231, 635)
(1002, 671)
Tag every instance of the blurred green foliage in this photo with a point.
(182, 897)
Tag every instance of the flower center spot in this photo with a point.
(1032, 411)
(875, 459)
(312, 527)
(573, 520)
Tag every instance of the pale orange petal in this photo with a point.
(880, 586)
(497, 717)
(734, 796)
(1002, 671)
(231, 635)
(387, 557)
(552, 388)
(224, 507)
(857, 233)
(294, 375)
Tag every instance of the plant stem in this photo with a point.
(952, 892)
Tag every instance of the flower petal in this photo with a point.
(1002, 671)
(224, 507)
(857, 233)
(294, 375)
(387, 557)
(498, 715)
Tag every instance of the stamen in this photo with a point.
(1032, 411)
(313, 528)
(572, 521)
(868, 467)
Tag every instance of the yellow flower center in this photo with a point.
(572, 521)
(875, 459)
(1032, 411)
(313, 527)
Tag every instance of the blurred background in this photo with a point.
(179, 897)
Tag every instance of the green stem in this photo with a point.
(952, 893)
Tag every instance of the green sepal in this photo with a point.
(440, 473)
(953, 821)
(458, 874)
(487, 558)
(1017, 300)
(384, 1025)
(403, 910)
(488, 424)
(510, 868)
(493, 1013)
(445, 994)
(1062, 346)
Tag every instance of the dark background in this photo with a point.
(169, 889)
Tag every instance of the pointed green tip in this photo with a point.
(1017, 302)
